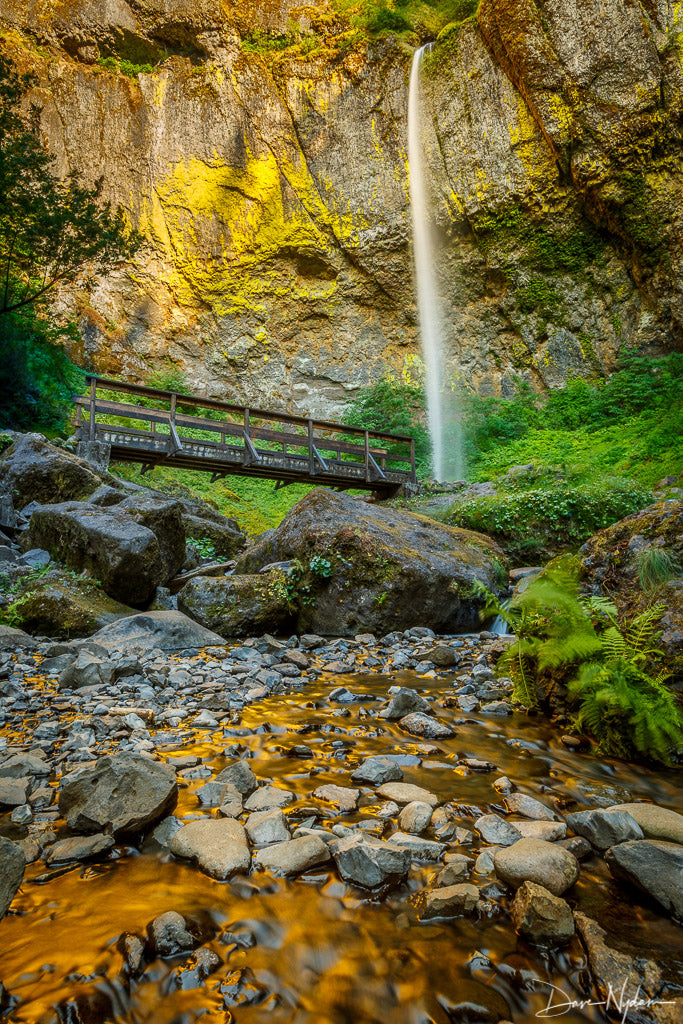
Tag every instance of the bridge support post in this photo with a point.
(311, 453)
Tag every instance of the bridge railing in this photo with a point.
(174, 426)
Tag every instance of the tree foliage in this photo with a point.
(50, 228)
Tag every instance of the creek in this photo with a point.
(314, 949)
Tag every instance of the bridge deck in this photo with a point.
(170, 429)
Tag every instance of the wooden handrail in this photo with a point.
(211, 403)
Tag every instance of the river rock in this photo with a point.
(121, 794)
(158, 630)
(418, 847)
(654, 866)
(343, 797)
(218, 845)
(239, 775)
(415, 817)
(405, 793)
(169, 934)
(551, 831)
(239, 606)
(62, 605)
(656, 822)
(418, 724)
(12, 864)
(33, 470)
(456, 870)
(534, 860)
(449, 901)
(377, 770)
(380, 555)
(266, 797)
(265, 827)
(528, 807)
(23, 765)
(78, 848)
(403, 703)
(443, 656)
(293, 856)
(370, 862)
(85, 670)
(497, 831)
(11, 638)
(604, 827)
(14, 792)
(541, 917)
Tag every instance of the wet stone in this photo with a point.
(405, 793)
(419, 724)
(377, 770)
(497, 830)
(169, 935)
(450, 901)
(370, 862)
(605, 827)
(541, 917)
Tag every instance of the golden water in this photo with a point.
(318, 951)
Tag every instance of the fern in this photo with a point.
(613, 671)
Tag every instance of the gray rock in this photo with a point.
(34, 471)
(23, 765)
(497, 830)
(239, 775)
(218, 845)
(11, 638)
(418, 724)
(343, 797)
(267, 827)
(403, 703)
(415, 817)
(456, 870)
(449, 901)
(551, 831)
(85, 670)
(78, 848)
(528, 807)
(163, 630)
(237, 606)
(541, 917)
(656, 822)
(371, 863)
(293, 856)
(12, 864)
(654, 866)
(604, 827)
(169, 935)
(266, 797)
(534, 860)
(121, 794)
(403, 793)
(377, 770)
(14, 792)
(443, 656)
(418, 847)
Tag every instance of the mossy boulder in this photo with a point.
(382, 569)
(237, 606)
(33, 470)
(63, 606)
(223, 534)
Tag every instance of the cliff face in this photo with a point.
(270, 180)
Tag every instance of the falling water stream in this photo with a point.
(447, 461)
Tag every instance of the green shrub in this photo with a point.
(397, 408)
(384, 19)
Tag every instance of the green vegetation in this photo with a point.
(656, 566)
(125, 67)
(396, 407)
(203, 547)
(613, 671)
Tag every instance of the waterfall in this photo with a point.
(447, 460)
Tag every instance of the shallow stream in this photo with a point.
(314, 950)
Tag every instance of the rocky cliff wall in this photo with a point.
(269, 176)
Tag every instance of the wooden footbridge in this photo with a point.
(165, 428)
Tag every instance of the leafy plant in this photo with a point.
(321, 567)
(205, 548)
(612, 671)
(50, 229)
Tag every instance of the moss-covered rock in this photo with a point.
(236, 606)
(381, 568)
(62, 605)
(639, 562)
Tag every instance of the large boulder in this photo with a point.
(33, 470)
(59, 605)
(120, 794)
(237, 606)
(654, 866)
(655, 821)
(163, 516)
(12, 864)
(162, 630)
(390, 569)
(11, 637)
(114, 545)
